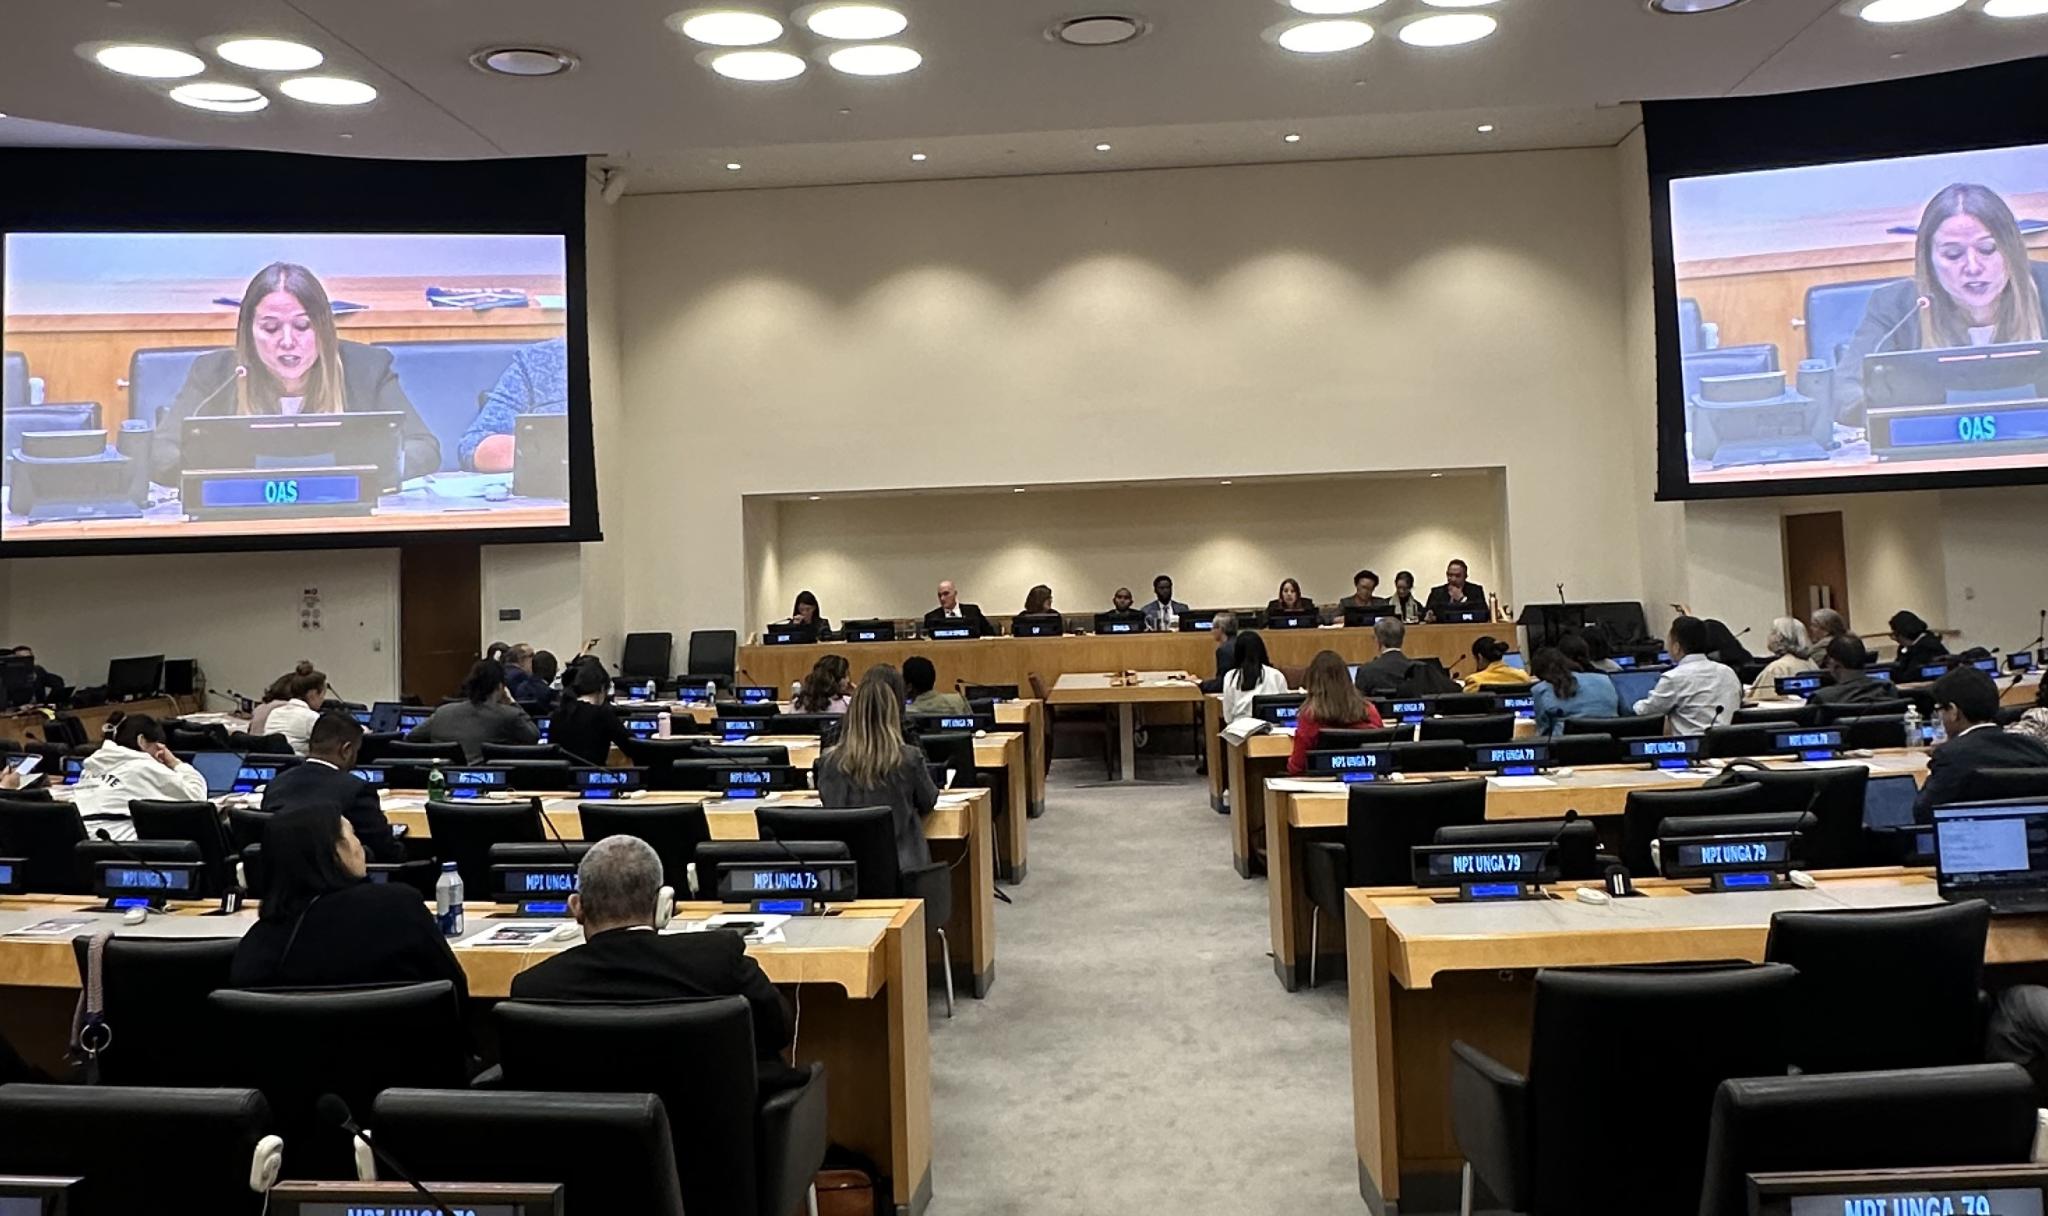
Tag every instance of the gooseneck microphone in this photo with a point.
(335, 1111)
(1920, 305)
(240, 374)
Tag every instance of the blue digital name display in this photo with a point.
(1810, 744)
(756, 695)
(1742, 881)
(1977, 427)
(956, 723)
(740, 728)
(1747, 852)
(598, 778)
(149, 880)
(954, 632)
(643, 726)
(6, 875)
(543, 882)
(1122, 626)
(323, 490)
(782, 881)
(373, 776)
(1495, 890)
(1352, 766)
(1519, 705)
(686, 694)
(1798, 686)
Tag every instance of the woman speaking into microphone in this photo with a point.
(1973, 285)
(288, 361)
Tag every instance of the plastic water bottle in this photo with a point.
(448, 900)
(437, 785)
(1913, 739)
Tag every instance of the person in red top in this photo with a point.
(1333, 702)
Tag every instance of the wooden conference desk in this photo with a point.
(1594, 791)
(30, 725)
(1014, 660)
(859, 977)
(1424, 973)
(959, 832)
(1143, 688)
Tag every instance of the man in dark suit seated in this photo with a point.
(1383, 674)
(950, 608)
(324, 780)
(1966, 702)
(1456, 594)
(623, 958)
(1844, 662)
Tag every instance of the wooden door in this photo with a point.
(440, 602)
(1816, 565)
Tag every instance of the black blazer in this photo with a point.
(1382, 674)
(1882, 330)
(587, 732)
(1440, 598)
(1977, 748)
(1925, 649)
(970, 614)
(370, 933)
(1858, 689)
(315, 784)
(1275, 608)
(366, 372)
(642, 965)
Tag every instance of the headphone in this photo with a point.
(664, 907)
(265, 1164)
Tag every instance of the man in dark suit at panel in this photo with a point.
(1844, 662)
(1456, 594)
(324, 780)
(951, 609)
(623, 958)
(1966, 702)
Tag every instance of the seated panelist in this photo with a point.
(1289, 599)
(1970, 266)
(951, 609)
(1120, 606)
(1037, 607)
(537, 382)
(288, 361)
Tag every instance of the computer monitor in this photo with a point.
(384, 716)
(141, 676)
(1888, 801)
(1198, 620)
(21, 1195)
(1040, 625)
(1359, 616)
(180, 677)
(1805, 684)
(868, 631)
(220, 770)
(253, 775)
(1462, 616)
(1985, 847)
(1632, 686)
(1304, 619)
(410, 717)
(1514, 659)
(540, 456)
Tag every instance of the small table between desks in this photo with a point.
(1126, 692)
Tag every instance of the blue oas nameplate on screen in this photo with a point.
(1959, 430)
(278, 493)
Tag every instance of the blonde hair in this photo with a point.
(1333, 699)
(326, 393)
(870, 735)
(2019, 306)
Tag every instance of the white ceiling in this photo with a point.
(994, 96)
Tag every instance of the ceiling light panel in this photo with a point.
(2015, 8)
(1454, 29)
(875, 59)
(758, 66)
(328, 91)
(727, 27)
(149, 62)
(1324, 37)
(854, 22)
(270, 55)
(1900, 12)
(219, 98)
(1333, 8)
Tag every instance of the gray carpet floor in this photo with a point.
(1136, 1053)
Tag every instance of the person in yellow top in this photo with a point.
(1494, 671)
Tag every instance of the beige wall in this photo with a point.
(1223, 545)
(1293, 319)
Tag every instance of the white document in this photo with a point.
(513, 934)
(56, 926)
(1521, 783)
(762, 929)
(1303, 785)
(1244, 728)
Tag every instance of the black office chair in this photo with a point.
(1725, 742)
(436, 753)
(1552, 1141)
(675, 830)
(138, 1148)
(1459, 704)
(647, 656)
(662, 759)
(1432, 756)
(1781, 716)
(198, 822)
(1925, 1118)
(44, 836)
(1645, 811)
(953, 750)
(1993, 784)
(1628, 726)
(1833, 796)
(1470, 728)
(546, 853)
(1382, 825)
(523, 751)
(747, 753)
(1578, 750)
(608, 1152)
(158, 1026)
(1577, 843)
(463, 832)
(1841, 711)
(246, 826)
(1340, 740)
(737, 1151)
(293, 1045)
(376, 746)
(1931, 961)
(869, 835)
(265, 747)
(211, 737)
(1873, 733)
(714, 656)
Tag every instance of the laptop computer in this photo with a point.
(1994, 851)
(220, 770)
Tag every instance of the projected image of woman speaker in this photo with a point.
(288, 361)
(1973, 284)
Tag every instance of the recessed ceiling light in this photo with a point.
(855, 22)
(1324, 37)
(758, 65)
(1103, 29)
(220, 98)
(875, 59)
(726, 27)
(1897, 12)
(2015, 8)
(1485, 128)
(733, 166)
(270, 54)
(149, 62)
(1292, 137)
(917, 156)
(328, 91)
(528, 61)
(1456, 29)
(1102, 147)
(1685, 8)
(1477, 3)
(1332, 8)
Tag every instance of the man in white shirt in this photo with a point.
(294, 719)
(135, 765)
(1696, 693)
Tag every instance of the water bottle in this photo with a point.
(437, 785)
(1913, 740)
(448, 900)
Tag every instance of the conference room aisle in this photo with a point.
(1135, 1054)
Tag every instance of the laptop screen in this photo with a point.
(1632, 686)
(219, 769)
(1988, 845)
(1888, 801)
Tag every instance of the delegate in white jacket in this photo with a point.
(116, 775)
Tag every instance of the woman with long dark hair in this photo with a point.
(586, 726)
(1289, 599)
(485, 714)
(1253, 676)
(1565, 690)
(288, 360)
(827, 689)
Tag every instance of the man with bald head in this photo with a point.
(952, 611)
